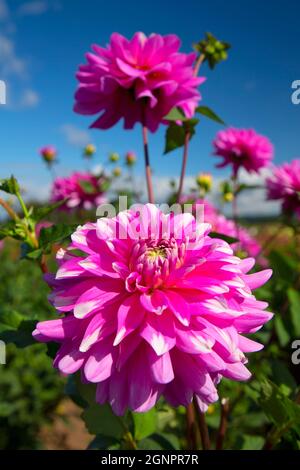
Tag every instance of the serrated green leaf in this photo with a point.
(209, 113)
(144, 424)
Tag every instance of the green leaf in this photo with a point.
(39, 213)
(226, 238)
(86, 391)
(10, 185)
(294, 300)
(284, 266)
(14, 230)
(72, 391)
(252, 442)
(99, 419)
(144, 424)
(244, 187)
(279, 408)
(54, 234)
(175, 135)
(10, 319)
(209, 113)
(282, 331)
(176, 114)
(21, 337)
(282, 375)
(87, 187)
(160, 441)
(103, 443)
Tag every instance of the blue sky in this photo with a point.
(43, 41)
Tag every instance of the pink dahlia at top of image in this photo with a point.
(82, 190)
(243, 148)
(284, 184)
(160, 313)
(139, 80)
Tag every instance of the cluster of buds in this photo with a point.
(204, 183)
(226, 191)
(214, 51)
(89, 150)
(49, 154)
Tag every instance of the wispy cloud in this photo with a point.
(10, 63)
(29, 99)
(4, 11)
(74, 135)
(38, 7)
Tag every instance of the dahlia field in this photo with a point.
(131, 322)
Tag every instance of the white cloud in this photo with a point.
(10, 62)
(74, 135)
(4, 11)
(29, 99)
(38, 7)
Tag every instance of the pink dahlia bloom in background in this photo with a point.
(284, 184)
(139, 80)
(243, 148)
(83, 190)
(247, 244)
(161, 309)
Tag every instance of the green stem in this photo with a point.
(127, 435)
(22, 204)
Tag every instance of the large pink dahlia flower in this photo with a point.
(155, 307)
(82, 190)
(139, 80)
(284, 184)
(243, 148)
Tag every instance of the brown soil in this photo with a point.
(67, 430)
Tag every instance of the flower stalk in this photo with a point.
(202, 427)
(147, 165)
(223, 423)
(187, 137)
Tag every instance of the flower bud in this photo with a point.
(130, 158)
(117, 171)
(228, 197)
(48, 153)
(114, 157)
(89, 151)
(204, 181)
